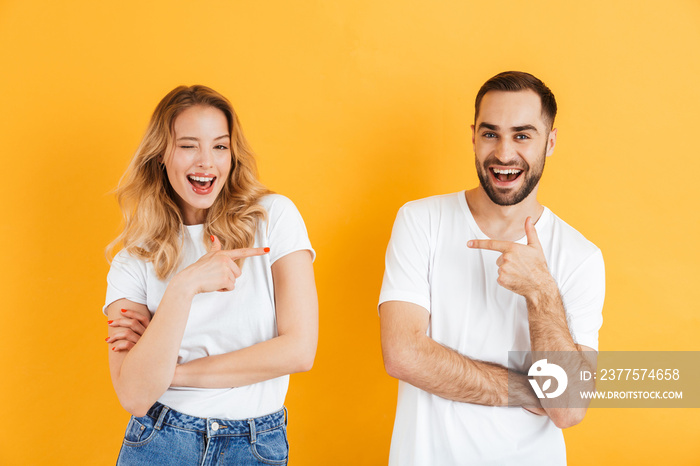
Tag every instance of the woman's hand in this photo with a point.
(292, 350)
(217, 269)
(129, 328)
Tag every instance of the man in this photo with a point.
(473, 275)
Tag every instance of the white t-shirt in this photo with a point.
(221, 322)
(429, 264)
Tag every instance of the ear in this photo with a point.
(551, 142)
(473, 137)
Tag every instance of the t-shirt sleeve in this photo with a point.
(583, 294)
(286, 231)
(406, 272)
(126, 280)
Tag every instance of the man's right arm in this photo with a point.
(410, 355)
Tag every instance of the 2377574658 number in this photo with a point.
(639, 374)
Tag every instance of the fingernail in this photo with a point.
(267, 249)
(109, 321)
(211, 238)
(469, 243)
(123, 310)
(106, 338)
(113, 348)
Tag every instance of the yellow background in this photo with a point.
(353, 108)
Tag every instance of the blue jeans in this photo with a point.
(167, 437)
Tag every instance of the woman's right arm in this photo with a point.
(141, 374)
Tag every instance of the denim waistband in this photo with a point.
(216, 427)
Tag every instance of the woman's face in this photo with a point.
(200, 162)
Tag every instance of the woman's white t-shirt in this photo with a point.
(222, 322)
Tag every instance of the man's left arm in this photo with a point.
(549, 331)
(523, 270)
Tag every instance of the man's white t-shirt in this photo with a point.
(429, 264)
(222, 322)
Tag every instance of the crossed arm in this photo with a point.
(143, 363)
(410, 355)
(293, 350)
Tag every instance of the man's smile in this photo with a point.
(505, 174)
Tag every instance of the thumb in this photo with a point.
(532, 239)
(215, 244)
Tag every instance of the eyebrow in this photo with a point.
(515, 129)
(192, 138)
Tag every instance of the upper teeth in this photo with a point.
(201, 178)
(510, 171)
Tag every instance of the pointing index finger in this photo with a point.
(246, 252)
(490, 244)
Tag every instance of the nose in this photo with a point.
(205, 158)
(505, 150)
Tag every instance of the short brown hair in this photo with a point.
(513, 81)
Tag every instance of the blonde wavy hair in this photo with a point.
(153, 225)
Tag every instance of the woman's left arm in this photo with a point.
(293, 350)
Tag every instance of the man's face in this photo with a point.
(511, 142)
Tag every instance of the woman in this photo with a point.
(211, 302)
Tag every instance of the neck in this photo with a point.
(504, 223)
(193, 217)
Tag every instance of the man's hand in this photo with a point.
(522, 269)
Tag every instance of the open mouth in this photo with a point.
(201, 184)
(505, 175)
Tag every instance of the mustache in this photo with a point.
(491, 160)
